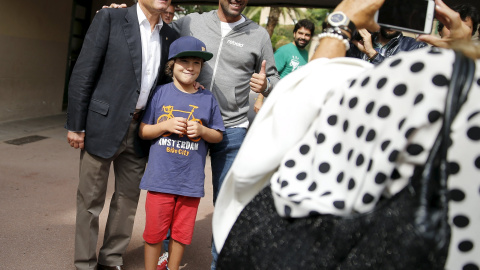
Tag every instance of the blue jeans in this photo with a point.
(222, 155)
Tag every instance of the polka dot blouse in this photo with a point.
(369, 136)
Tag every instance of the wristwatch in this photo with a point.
(340, 20)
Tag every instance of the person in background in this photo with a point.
(181, 121)
(108, 91)
(381, 45)
(168, 15)
(293, 55)
(468, 13)
(243, 61)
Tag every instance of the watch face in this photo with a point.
(337, 18)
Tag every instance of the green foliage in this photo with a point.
(317, 15)
(253, 13)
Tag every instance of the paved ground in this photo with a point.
(38, 181)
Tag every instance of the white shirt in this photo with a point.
(150, 56)
(227, 27)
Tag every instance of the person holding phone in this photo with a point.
(468, 13)
(381, 45)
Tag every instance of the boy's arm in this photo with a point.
(176, 125)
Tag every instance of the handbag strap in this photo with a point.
(436, 166)
(459, 87)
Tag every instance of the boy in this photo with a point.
(180, 120)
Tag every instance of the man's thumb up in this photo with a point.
(264, 65)
(258, 82)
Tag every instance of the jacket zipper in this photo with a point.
(216, 63)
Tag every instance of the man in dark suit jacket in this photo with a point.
(109, 86)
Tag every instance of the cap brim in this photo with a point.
(204, 55)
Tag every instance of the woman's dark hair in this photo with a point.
(465, 11)
(304, 23)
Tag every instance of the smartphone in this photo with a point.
(414, 16)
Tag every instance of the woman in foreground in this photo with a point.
(343, 135)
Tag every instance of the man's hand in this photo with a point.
(113, 5)
(76, 139)
(258, 82)
(452, 21)
(365, 45)
(197, 85)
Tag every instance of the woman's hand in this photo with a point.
(452, 21)
(361, 12)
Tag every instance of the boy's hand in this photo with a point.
(177, 125)
(194, 129)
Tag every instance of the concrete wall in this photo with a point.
(33, 52)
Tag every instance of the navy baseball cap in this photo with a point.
(189, 46)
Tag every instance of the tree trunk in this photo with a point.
(273, 19)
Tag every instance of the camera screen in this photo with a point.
(409, 14)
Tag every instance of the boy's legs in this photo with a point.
(152, 252)
(182, 228)
(159, 209)
(176, 253)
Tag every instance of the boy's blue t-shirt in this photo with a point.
(176, 164)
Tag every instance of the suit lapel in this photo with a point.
(132, 35)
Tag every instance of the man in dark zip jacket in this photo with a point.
(375, 48)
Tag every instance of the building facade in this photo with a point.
(39, 43)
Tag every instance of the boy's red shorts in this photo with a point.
(164, 211)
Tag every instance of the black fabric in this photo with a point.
(261, 239)
(407, 231)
